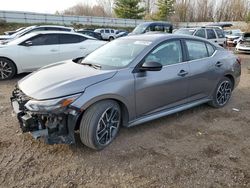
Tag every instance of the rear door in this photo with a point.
(163, 89)
(211, 36)
(221, 37)
(43, 50)
(202, 69)
(71, 46)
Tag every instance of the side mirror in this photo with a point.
(28, 43)
(151, 66)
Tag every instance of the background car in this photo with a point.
(244, 44)
(213, 34)
(90, 33)
(127, 82)
(232, 36)
(6, 38)
(152, 26)
(107, 34)
(12, 32)
(38, 49)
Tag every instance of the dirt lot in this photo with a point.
(201, 147)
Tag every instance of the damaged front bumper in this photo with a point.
(53, 127)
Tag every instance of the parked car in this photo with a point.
(244, 44)
(126, 82)
(220, 24)
(107, 34)
(12, 32)
(213, 34)
(90, 33)
(152, 26)
(38, 49)
(6, 38)
(232, 36)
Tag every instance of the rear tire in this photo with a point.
(100, 124)
(7, 69)
(222, 93)
(111, 38)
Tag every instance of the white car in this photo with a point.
(244, 44)
(36, 50)
(34, 28)
(211, 33)
(107, 34)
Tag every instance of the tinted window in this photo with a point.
(112, 31)
(201, 33)
(159, 28)
(70, 39)
(48, 39)
(211, 34)
(106, 31)
(102, 31)
(167, 54)
(210, 49)
(220, 33)
(196, 49)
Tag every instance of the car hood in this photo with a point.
(62, 79)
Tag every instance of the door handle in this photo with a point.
(215, 41)
(218, 64)
(82, 48)
(182, 73)
(54, 50)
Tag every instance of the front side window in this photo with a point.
(220, 33)
(70, 39)
(196, 49)
(200, 33)
(45, 39)
(210, 49)
(168, 53)
(106, 31)
(211, 34)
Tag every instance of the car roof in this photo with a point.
(56, 26)
(161, 36)
(149, 23)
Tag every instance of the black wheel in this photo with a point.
(111, 38)
(7, 69)
(222, 93)
(100, 124)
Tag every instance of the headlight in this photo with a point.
(51, 105)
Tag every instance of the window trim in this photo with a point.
(23, 43)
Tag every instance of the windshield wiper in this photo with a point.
(96, 66)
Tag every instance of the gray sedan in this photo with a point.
(127, 82)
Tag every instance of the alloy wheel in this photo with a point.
(5, 70)
(108, 126)
(224, 93)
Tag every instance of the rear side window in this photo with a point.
(196, 49)
(210, 49)
(201, 33)
(211, 34)
(45, 39)
(220, 33)
(112, 31)
(70, 39)
(106, 31)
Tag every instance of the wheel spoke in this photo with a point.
(223, 93)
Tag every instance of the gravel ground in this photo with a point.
(200, 147)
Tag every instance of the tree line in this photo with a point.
(166, 10)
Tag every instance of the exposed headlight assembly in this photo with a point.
(51, 105)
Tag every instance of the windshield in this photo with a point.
(116, 54)
(140, 29)
(246, 36)
(19, 33)
(185, 31)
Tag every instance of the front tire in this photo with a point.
(100, 124)
(7, 69)
(222, 93)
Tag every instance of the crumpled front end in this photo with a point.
(56, 127)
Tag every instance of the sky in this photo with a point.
(41, 6)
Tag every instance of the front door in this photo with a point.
(163, 89)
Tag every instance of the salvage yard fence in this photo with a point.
(34, 18)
